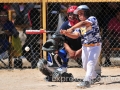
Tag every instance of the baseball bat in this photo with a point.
(38, 31)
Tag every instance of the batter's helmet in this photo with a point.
(85, 8)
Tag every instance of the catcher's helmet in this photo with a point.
(71, 9)
(70, 14)
(85, 8)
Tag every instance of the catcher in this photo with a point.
(49, 67)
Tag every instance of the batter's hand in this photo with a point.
(63, 32)
(69, 30)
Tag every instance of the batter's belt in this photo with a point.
(91, 45)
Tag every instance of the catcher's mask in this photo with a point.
(53, 44)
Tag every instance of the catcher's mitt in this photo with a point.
(53, 44)
(50, 46)
(64, 77)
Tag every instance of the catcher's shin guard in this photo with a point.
(42, 65)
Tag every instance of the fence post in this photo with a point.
(10, 40)
(44, 23)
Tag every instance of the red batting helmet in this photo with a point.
(71, 9)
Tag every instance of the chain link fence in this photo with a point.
(22, 17)
(28, 16)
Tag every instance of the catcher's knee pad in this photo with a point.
(64, 77)
(42, 65)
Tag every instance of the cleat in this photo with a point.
(97, 79)
(84, 84)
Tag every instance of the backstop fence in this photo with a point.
(49, 15)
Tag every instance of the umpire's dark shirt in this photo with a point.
(74, 44)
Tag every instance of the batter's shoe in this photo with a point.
(97, 79)
(84, 84)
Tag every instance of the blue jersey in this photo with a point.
(4, 43)
(8, 26)
(90, 34)
(74, 44)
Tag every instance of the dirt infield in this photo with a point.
(32, 79)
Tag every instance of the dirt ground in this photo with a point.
(33, 79)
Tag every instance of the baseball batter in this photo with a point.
(88, 30)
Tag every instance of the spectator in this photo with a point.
(33, 40)
(20, 12)
(7, 7)
(113, 37)
(108, 12)
(6, 29)
(54, 10)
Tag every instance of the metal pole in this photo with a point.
(44, 9)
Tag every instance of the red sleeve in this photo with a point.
(29, 18)
(111, 24)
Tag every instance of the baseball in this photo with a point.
(27, 48)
